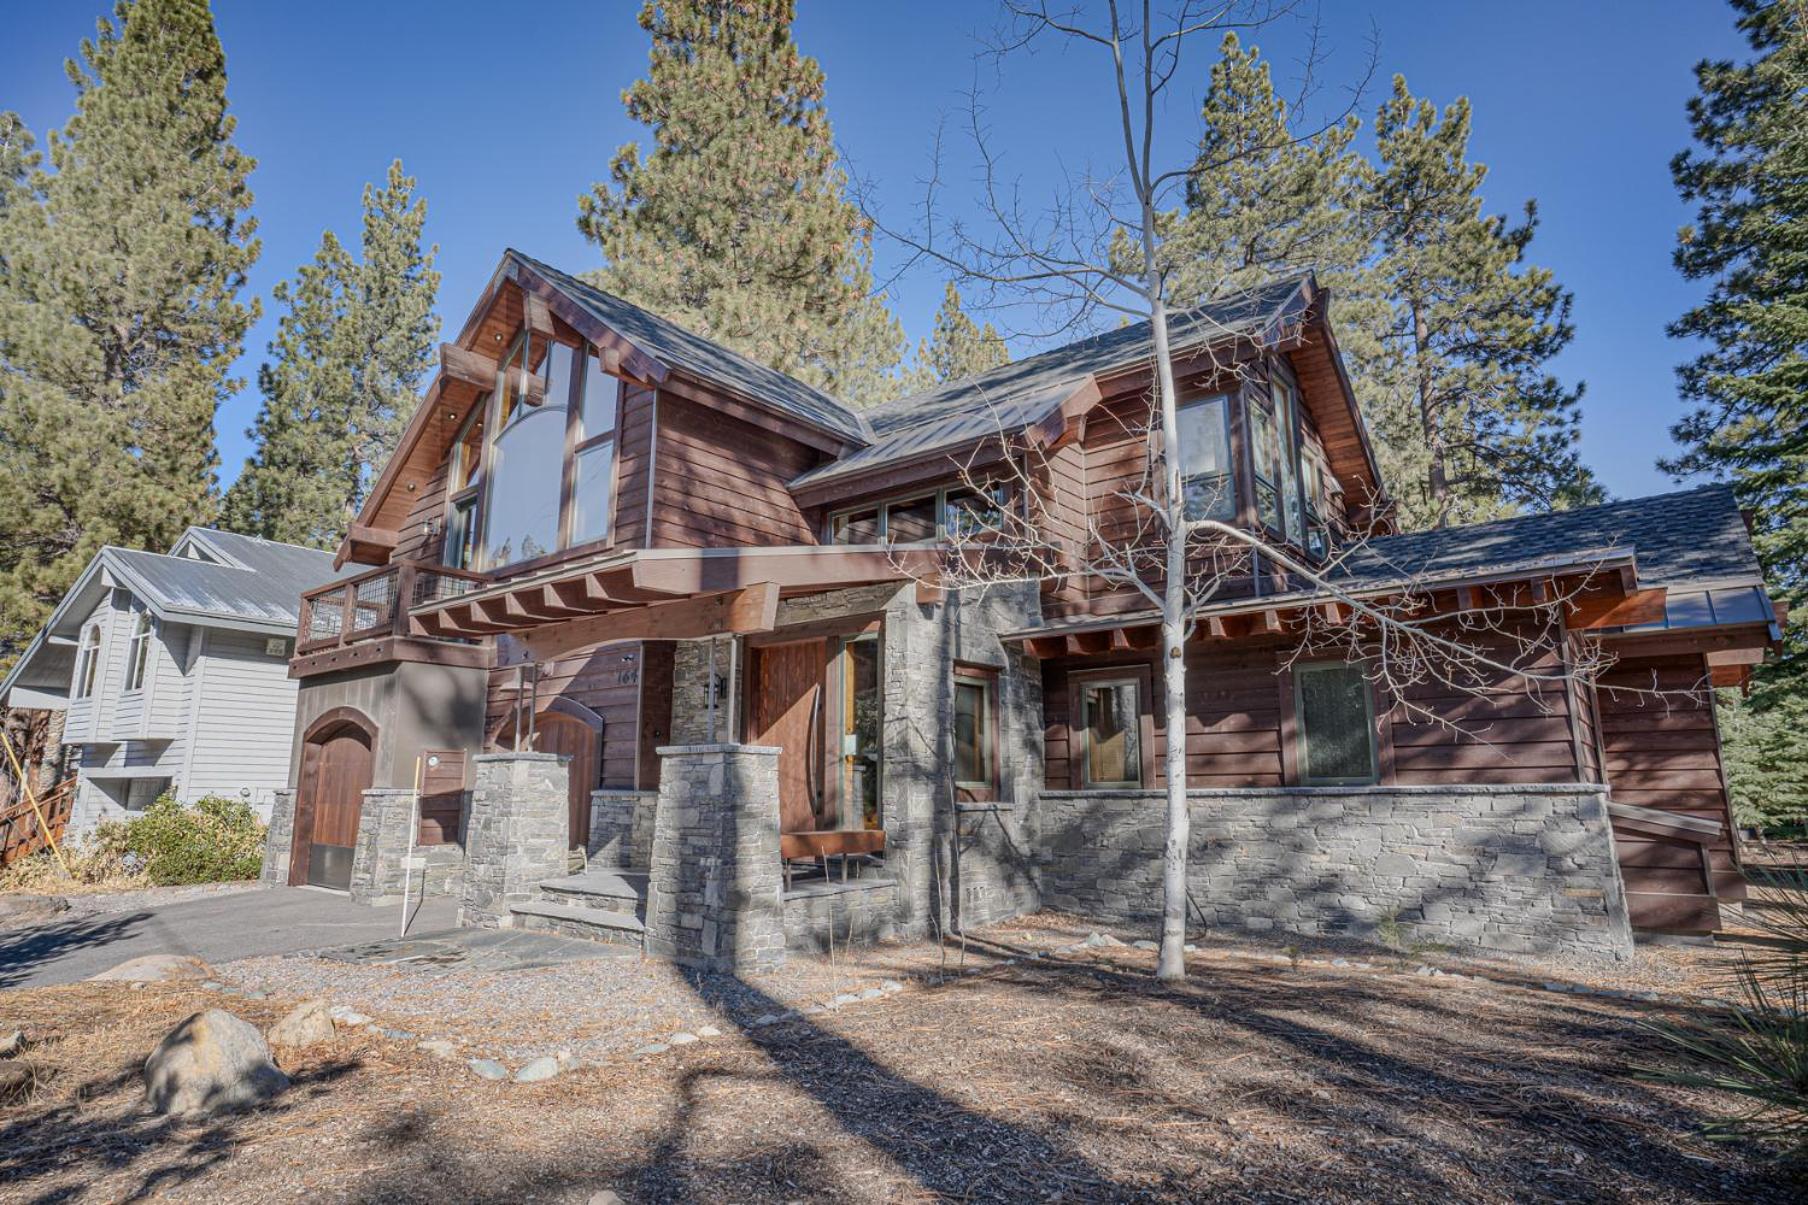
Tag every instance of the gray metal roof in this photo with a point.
(1690, 537)
(677, 347)
(265, 588)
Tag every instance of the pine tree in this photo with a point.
(1748, 176)
(348, 362)
(957, 349)
(737, 224)
(121, 265)
(1471, 422)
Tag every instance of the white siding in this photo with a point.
(90, 719)
(244, 723)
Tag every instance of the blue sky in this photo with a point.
(506, 116)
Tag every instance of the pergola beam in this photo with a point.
(733, 612)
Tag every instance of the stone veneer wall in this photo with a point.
(381, 861)
(621, 828)
(967, 865)
(279, 840)
(516, 834)
(714, 882)
(857, 913)
(1517, 868)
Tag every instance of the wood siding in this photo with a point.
(720, 481)
(606, 680)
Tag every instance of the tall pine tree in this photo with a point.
(1473, 422)
(1748, 178)
(737, 223)
(121, 265)
(348, 363)
(958, 348)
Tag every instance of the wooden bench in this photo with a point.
(823, 844)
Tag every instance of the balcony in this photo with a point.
(365, 619)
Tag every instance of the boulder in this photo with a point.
(539, 1069)
(211, 1062)
(13, 1043)
(156, 968)
(17, 911)
(306, 1024)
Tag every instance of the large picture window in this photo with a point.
(1336, 724)
(1111, 732)
(138, 652)
(593, 455)
(526, 456)
(1206, 482)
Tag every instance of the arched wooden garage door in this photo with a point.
(576, 732)
(336, 768)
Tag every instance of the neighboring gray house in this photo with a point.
(173, 671)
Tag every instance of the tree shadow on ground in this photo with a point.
(23, 951)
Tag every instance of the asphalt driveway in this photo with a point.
(215, 929)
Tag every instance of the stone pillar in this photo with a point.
(379, 857)
(517, 833)
(715, 886)
(279, 840)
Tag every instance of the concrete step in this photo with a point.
(621, 891)
(591, 924)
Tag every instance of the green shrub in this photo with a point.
(218, 840)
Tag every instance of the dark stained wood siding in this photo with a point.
(720, 481)
(633, 466)
(606, 680)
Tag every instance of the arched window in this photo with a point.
(138, 653)
(87, 661)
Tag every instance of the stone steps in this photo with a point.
(619, 891)
(567, 920)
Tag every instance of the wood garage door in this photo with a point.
(336, 771)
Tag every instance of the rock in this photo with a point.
(847, 998)
(1146, 944)
(487, 1069)
(439, 1048)
(307, 1024)
(17, 911)
(18, 1080)
(537, 1070)
(1101, 941)
(13, 1044)
(709, 1031)
(1340, 962)
(603, 1196)
(398, 1035)
(681, 1039)
(348, 1018)
(891, 985)
(871, 993)
(212, 985)
(157, 968)
(211, 1062)
(763, 1020)
(1189, 949)
(567, 1060)
(651, 1048)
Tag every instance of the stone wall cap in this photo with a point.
(623, 793)
(1515, 788)
(522, 756)
(724, 747)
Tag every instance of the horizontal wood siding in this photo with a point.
(1662, 751)
(633, 464)
(606, 680)
(719, 481)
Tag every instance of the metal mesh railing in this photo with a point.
(326, 616)
(374, 607)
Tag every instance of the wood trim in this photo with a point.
(1144, 676)
(335, 717)
(471, 367)
(387, 649)
(750, 609)
(1288, 702)
(846, 625)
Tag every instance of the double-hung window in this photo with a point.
(87, 661)
(1336, 724)
(138, 652)
(1207, 484)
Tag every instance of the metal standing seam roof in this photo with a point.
(266, 590)
(672, 344)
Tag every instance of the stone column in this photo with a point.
(517, 833)
(279, 840)
(715, 886)
(381, 851)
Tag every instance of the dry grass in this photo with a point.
(1071, 1078)
(93, 867)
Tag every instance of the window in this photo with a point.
(1265, 452)
(1111, 731)
(1288, 429)
(856, 527)
(922, 519)
(1336, 725)
(974, 738)
(527, 454)
(87, 661)
(138, 652)
(464, 519)
(593, 455)
(911, 522)
(1206, 482)
(969, 513)
(1312, 472)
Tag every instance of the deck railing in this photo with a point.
(376, 603)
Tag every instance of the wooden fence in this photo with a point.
(20, 833)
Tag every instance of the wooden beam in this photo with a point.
(534, 314)
(471, 367)
(1611, 609)
(734, 612)
(1090, 642)
(505, 610)
(1266, 622)
(1047, 646)
(544, 602)
(366, 545)
(1143, 638)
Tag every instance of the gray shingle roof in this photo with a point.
(677, 347)
(1694, 536)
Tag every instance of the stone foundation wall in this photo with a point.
(1515, 868)
(516, 834)
(279, 840)
(621, 828)
(714, 881)
(850, 914)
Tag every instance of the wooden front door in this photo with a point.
(785, 699)
(335, 773)
(555, 732)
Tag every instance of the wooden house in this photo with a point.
(607, 538)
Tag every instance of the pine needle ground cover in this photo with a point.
(1065, 1077)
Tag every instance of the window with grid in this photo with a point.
(1335, 723)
